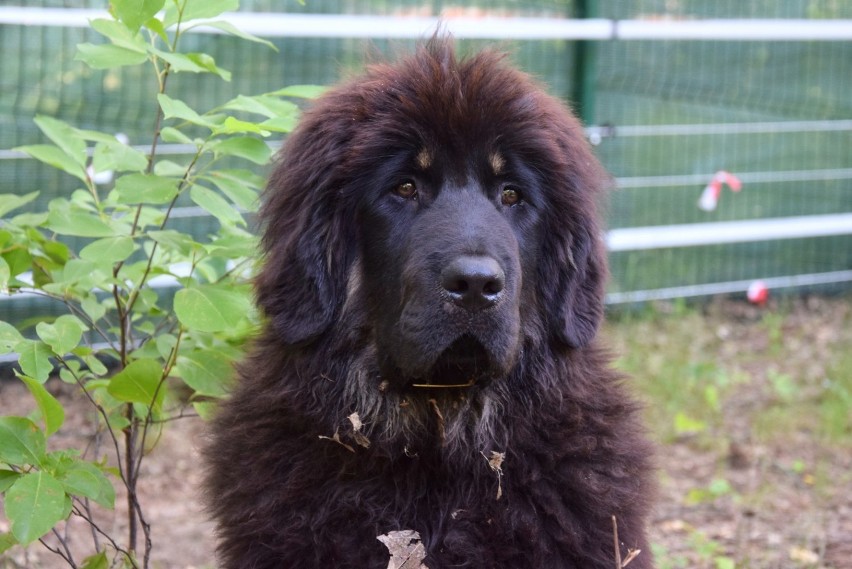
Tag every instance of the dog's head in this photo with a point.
(451, 204)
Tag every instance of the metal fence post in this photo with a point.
(583, 84)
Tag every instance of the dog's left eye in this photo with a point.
(510, 196)
(406, 190)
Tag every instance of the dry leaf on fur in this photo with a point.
(405, 549)
(631, 555)
(359, 437)
(496, 464)
(336, 438)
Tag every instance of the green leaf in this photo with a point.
(177, 109)
(171, 134)
(268, 106)
(107, 56)
(196, 9)
(34, 504)
(684, 424)
(52, 412)
(64, 219)
(7, 541)
(300, 91)
(34, 359)
(170, 169)
(108, 249)
(207, 372)
(205, 409)
(9, 337)
(156, 26)
(207, 63)
(191, 62)
(21, 441)
(56, 157)
(139, 382)
(115, 155)
(145, 189)
(231, 29)
(134, 13)
(5, 275)
(215, 205)
(232, 183)
(176, 241)
(93, 308)
(84, 273)
(96, 561)
(120, 35)
(8, 202)
(233, 125)
(208, 308)
(87, 480)
(281, 124)
(7, 478)
(233, 246)
(65, 137)
(63, 335)
(251, 149)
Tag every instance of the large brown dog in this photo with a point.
(433, 284)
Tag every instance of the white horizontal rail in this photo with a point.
(735, 30)
(772, 127)
(486, 27)
(773, 177)
(730, 287)
(725, 232)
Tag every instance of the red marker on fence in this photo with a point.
(757, 293)
(710, 196)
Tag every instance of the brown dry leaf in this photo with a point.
(406, 550)
(496, 464)
(804, 556)
(336, 438)
(631, 555)
(360, 438)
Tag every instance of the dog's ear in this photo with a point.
(305, 237)
(576, 254)
(579, 287)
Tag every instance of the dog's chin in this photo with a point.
(464, 364)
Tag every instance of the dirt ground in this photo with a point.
(731, 496)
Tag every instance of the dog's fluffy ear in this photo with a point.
(305, 239)
(579, 290)
(576, 255)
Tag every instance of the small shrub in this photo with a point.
(119, 341)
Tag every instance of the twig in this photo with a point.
(618, 564)
(95, 528)
(441, 432)
(88, 517)
(631, 553)
(67, 556)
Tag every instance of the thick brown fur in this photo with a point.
(357, 316)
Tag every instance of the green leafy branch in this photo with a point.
(103, 252)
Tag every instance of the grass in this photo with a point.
(752, 410)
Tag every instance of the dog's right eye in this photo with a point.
(406, 190)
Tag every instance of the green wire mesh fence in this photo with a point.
(666, 116)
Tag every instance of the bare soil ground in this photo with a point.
(755, 456)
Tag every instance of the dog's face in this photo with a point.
(450, 206)
(449, 238)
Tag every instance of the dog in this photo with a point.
(432, 286)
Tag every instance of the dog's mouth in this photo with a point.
(463, 364)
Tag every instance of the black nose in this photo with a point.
(473, 282)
